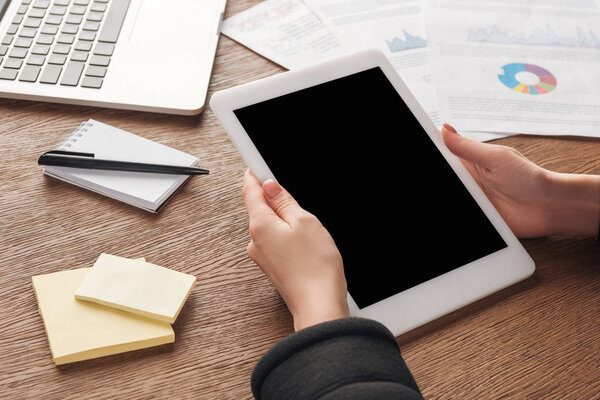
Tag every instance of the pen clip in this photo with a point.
(66, 154)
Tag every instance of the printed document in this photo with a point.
(395, 27)
(286, 32)
(517, 67)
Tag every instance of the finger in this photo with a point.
(281, 201)
(255, 201)
(251, 250)
(466, 148)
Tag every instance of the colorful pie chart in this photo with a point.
(546, 81)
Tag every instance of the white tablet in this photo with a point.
(349, 141)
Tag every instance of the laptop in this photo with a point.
(146, 55)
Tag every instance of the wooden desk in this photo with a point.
(537, 339)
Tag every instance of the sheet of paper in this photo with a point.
(284, 31)
(137, 287)
(394, 27)
(79, 330)
(517, 67)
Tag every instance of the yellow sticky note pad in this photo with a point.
(79, 330)
(135, 286)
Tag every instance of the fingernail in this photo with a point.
(271, 188)
(450, 128)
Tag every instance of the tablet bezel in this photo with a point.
(429, 300)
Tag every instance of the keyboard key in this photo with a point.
(7, 39)
(58, 59)
(36, 60)
(79, 10)
(83, 45)
(62, 2)
(91, 26)
(94, 70)
(17, 19)
(98, 7)
(87, 35)
(30, 73)
(81, 2)
(13, 63)
(54, 19)
(32, 22)
(65, 38)
(45, 39)
(41, 4)
(28, 32)
(36, 13)
(101, 61)
(74, 19)
(104, 49)
(51, 74)
(95, 16)
(26, 2)
(58, 10)
(23, 42)
(22, 9)
(91, 82)
(12, 29)
(61, 48)
(8, 74)
(18, 52)
(3, 50)
(79, 56)
(114, 21)
(72, 73)
(49, 29)
(70, 28)
(41, 49)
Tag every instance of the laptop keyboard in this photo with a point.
(62, 42)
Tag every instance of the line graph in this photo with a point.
(538, 36)
(409, 42)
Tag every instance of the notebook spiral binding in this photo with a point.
(77, 133)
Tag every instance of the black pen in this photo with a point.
(88, 161)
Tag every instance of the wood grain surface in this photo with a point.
(539, 339)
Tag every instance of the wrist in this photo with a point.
(319, 305)
(574, 204)
(315, 317)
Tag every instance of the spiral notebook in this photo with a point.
(148, 191)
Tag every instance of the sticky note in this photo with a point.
(137, 287)
(80, 330)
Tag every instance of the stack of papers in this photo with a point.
(137, 287)
(83, 329)
(490, 69)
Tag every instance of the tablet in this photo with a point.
(349, 141)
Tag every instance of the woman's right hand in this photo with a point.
(532, 200)
(296, 252)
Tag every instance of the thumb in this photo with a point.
(281, 201)
(466, 148)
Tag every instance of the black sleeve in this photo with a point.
(350, 358)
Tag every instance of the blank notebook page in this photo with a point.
(146, 190)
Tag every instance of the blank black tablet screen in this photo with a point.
(351, 152)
